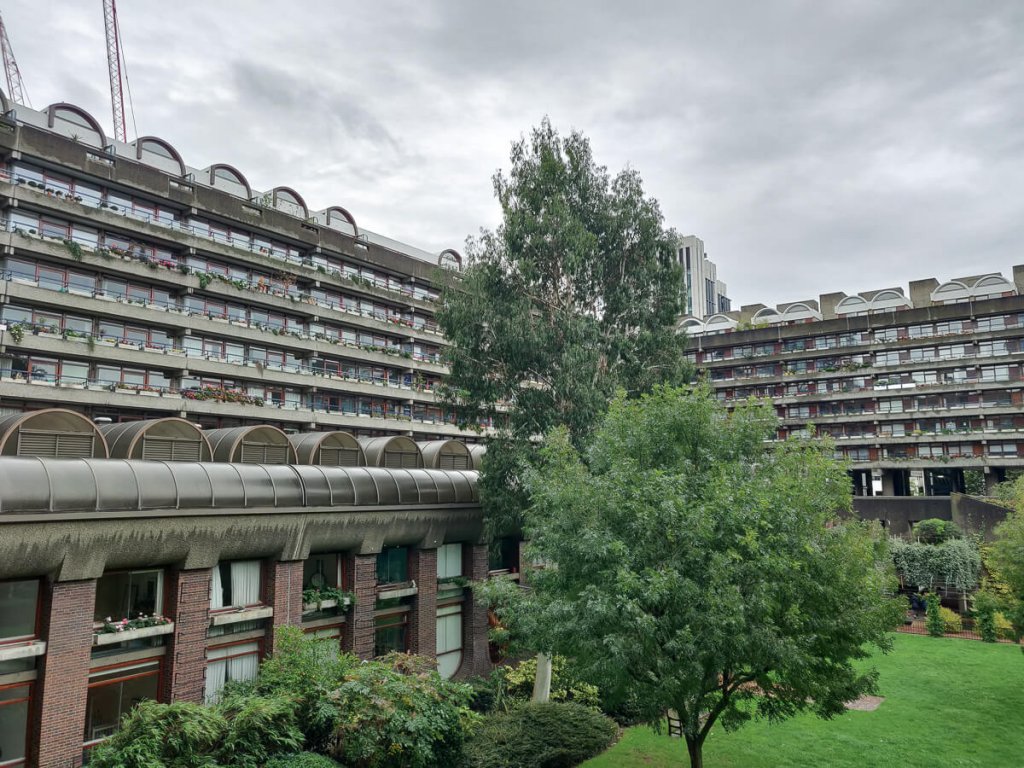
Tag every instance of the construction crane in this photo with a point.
(15, 85)
(114, 67)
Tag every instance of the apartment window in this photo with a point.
(997, 323)
(920, 331)
(128, 594)
(449, 640)
(393, 565)
(1002, 449)
(235, 584)
(391, 632)
(995, 373)
(113, 692)
(887, 358)
(798, 412)
(14, 707)
(18, 600)
(925, 377)
(231, 662)
(892, 430)
(952, 352)
(992, 348)
(922, 353)
(449, 561)
(321, 571)
(890, 406)
(884, 335)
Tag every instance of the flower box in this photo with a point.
(243, 614)
(110, 638)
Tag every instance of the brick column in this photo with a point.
(58, 726)
(284, 593)
(361, 579)
(423, 616)
(188, 605)
(475, 657)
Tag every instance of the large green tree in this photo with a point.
(691, 565)
(1008, 554)
(576, 294)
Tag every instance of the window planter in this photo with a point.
(110, 638)
(27, 650)
(393, 591)
(242, 614)
(323, 605)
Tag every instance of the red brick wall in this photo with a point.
(58, 724)
(475, 657)
(283, 591)
(188, 604)
(423, 616)
(361, 579)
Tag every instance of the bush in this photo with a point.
(399, 720)
(951, 621)
(1004, 627)
(484, 695)
(156, 735)
(551, 735)
(933, 617)
(302, 760)
(259, 727)
(936, 531)
(565, 686)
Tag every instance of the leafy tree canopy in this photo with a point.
(575, 295)
(1007, 554)
(691, 565)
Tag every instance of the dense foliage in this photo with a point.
(1008, 556)
(393, 713)
(565, 684)
(549, 735)
(576, 294)
(690, 564)
(935, 531)
(953, 564)
(302, 760)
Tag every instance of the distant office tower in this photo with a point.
(705, 293)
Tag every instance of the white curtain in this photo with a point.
(216, 589)
(245, 582)
(243, 667)
(216, 675)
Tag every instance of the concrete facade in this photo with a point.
(225, 575)
(916, 387)
(705, 293)
(133, 286)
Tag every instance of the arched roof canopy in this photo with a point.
(801, 311)
(888, 300)
(690, 325)
(477, 452)
(53, 432)
(391, 451)
(766, 315)
(75, 117)
(289, 197)
(336, 212)
(718, 323)
(168, 439)
(260, 444)
(990, 284)
(232, 175)
(159, 147)
(450, 256)
(106, 485)
(336, 449)
(852, 304)
(446, 454)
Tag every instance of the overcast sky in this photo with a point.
(814, 146)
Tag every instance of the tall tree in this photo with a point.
(693, 566)
(1008, 554)
(576, 294)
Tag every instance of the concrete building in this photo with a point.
(916, 387)
(135, 286)
(705, 293)
(215, 556)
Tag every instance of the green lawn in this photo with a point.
(947, 703)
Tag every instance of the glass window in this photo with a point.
(449, 640)
(113, 693)
(14, 702)
(320, 571)
(449, 561)
(393, 565)
(391, 634)
(235, 585)
(128, 594)
(230, 662)
(18, 609)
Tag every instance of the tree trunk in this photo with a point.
(542, 680)
(693, 746)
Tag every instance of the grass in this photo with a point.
(947, 703)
